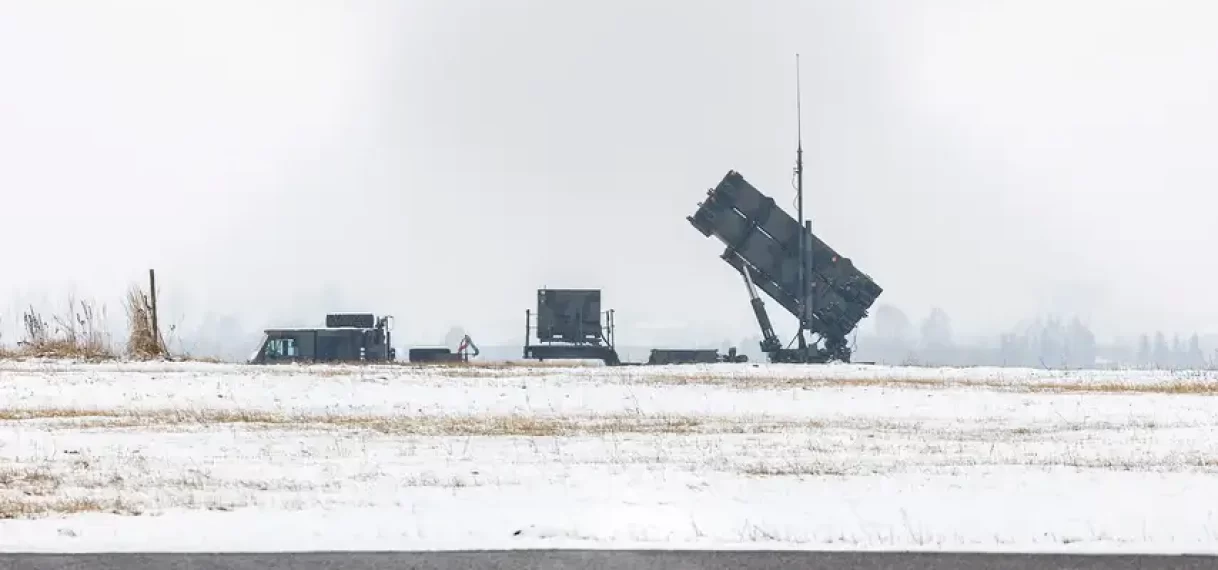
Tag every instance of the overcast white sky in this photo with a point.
(441, 160)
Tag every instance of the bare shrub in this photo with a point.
(5, 351)
(77, 333)
(142, 342)
(35, 328)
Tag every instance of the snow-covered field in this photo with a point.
(160, 457)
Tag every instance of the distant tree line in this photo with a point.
(1045, 342)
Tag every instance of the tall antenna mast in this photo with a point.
(805, 314)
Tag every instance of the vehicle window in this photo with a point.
(281, 348)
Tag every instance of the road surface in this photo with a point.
(601, 560)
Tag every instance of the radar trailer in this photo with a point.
(568, 326)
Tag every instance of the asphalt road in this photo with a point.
(601, 559)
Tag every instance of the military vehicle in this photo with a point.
(568, 326)
(346, 337)
(763, 245)
(660, 356)
(443, 354)
(781, 256)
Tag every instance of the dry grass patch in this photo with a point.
(142, 342)
(1189, 386)
(756, 381)
(1203, 461)
(28, 491)
(32, 507)
(78, 333)
(922, 383)
(502, 364)
(530, 426)
(394, 371)
(491, 369)
(793, 469)
(52, 413)
(473, 369)
(1183, 387)
(487, 372)
(29, 481)
(465, 425)
(203, 359)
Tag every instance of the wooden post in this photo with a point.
(156, 330)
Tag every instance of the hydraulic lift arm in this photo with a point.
(769, 341)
